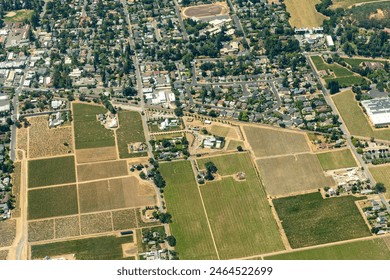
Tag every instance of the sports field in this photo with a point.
(311, 220)
(102, 170)
(18, 16)
(89, 133)
(382, 174)
(337, 159)
(374, 249)
(354, 118)
(271, 142)
(189, 224)
(289, 174)
(51, 171)
(98, 248)
(303, 13)
(52, 202)
(130, 131)
(238, 211)
(207, 10)
(114, 194)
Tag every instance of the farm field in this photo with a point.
(96, 154)
(233, 144)
(304, 17)
(3, 254)
(51, 202)
(337, 159)
(41, 230)
(382, 174)
(96, 171)
(355, 62)
(271, 142)
(374, 249)
(311, 220)
(354, 118)
(96, 223)
(67, 227)
(130, 131)
(115, 193)
(189, 224)
(239, 231)
(89, 133)
(45, 141)
(98, 248)
(289, 174)
(51, 171)
(8, 232)
(343, 75)
(124, 219)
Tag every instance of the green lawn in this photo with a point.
(239, 213)
(355, 119)
(130, 131)
(52, 202)
(98, 248)
(189, 224)
(337, 159)
(52, 171)
(355, 62)
(89, 133)
(311, 220)
(374, 249)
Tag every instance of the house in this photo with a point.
(209, 142)
(55, 120)
(56, 104)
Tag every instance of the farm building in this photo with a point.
(378, 110)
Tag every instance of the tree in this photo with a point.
(210, 170)
(165, 218)
(334, 87)
(239, 148)
(171, 240)
(142, 175)
(380, 187)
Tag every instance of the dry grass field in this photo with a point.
(223, 130)
(337, 159)
(96, 171)
(290, 174)
(22, 138)
(16, 182)
(96, 223)
(45, 141)
(124, 219)
(3, 254)
(348, 3)
(382, 174)
(52, 202)
(233, 144)
(41, 230)
(207, 10)
(271, 142)
(67, 227)
(303, 13)
(114, 194)
(8, 232)
(96, 154)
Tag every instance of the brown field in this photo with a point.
(67, 227)
(40, 230)
(8, 232)
(45, 141)
(208, 10)
(124, 219)
(114, 194)
(3, 254)
(96, 223)
(22, 138)
(304, 14)
(96, 171)
(16, 182)
(382, 174)
(224, 131)
(96, 154)
(271, 142)
(233, 144)
(291, 174)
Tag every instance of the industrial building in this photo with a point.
(378, 110)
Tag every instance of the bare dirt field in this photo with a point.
(270, 142)
(96, 154)
(124, 219)
(41, 230)
(67, 227)
(114, 194)
(129, 250)
(8, 232)
(96, 223)
(45, 141)
(96, 171)
(208, 10)
(291, 174)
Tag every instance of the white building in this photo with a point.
(378, 110)
(329, 41)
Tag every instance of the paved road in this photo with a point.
(184, 31)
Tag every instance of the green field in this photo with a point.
(98, 248)
(189, 224)
(19, 16)
(311, 220)
(355, 119)
(374, 249)
(382, 174)
(344, 76)
(130, 131)
(52, 171)
(347, 3)
(337, 159)
(89, 133)
(52, 202)
(355, 62)
(239, 213)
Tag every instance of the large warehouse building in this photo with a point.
(378, 110)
